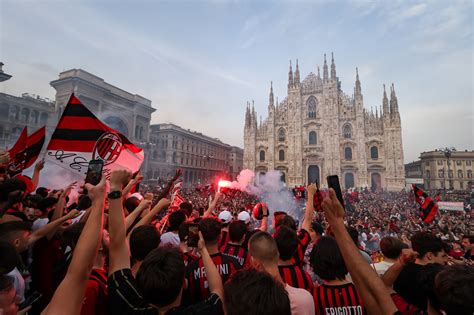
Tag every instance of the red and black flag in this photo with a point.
(428, 207)
(437, 197)
(15, 166)
(26, 150)
(81, 137)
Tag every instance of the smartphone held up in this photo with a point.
(333, 182)
(193, 235)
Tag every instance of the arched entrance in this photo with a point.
(348, 180)
(376, 182)
(313, 174)
(283, 176)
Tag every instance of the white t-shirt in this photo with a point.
(169, 238)
(18, 283)
(39, 223)
(301, 301)
(382, 267)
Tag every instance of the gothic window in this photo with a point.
(313, 139)
(311, 104)
(450, 174)
(281, 135)
(15, 112)
(459, 174)
(262, 156)
(281, 155)
(458, 162)
(441, 174)
(428, 174)
(348, 153)
(347, 131)
(468, 162)
(374, 153)
(175, 160)
(469, 174)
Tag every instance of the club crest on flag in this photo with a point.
(107, 148)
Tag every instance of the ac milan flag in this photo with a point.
(318, 199)
(81, 137)
(176, 198)
(428, 208)
(26, 150)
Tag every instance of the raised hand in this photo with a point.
(332, 207)
(97, 192)
(39, 166)
(311, 189)
(119, 178)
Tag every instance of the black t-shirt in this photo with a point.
(409, 288)
(125, 299)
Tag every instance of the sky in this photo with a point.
(201, 61)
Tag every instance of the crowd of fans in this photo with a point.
(111, 251)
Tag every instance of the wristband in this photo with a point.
(114, 194)
(265, 215)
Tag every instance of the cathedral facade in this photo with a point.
(318, 130)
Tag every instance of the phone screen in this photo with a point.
(94, 172)
(34, 297)
(193, 235)
(333, 182)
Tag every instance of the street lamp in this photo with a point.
(447, 153)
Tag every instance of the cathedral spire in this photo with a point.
(333, 67)
(247, 115)
(270, 102)
(385, 102)
(393, 100)
(325, 70)
(358, 89)
(319, 74)
(290, 76)
(297, 73)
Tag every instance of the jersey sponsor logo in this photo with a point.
(344, 310)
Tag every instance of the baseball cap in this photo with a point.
(244, 216)
(225, 216)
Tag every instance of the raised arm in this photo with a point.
(119, 253)
(389, 277)
(371, 288)
(69, 295)
(212, 205)
(130, 185)
(264, 224)
(36, 173)
(148, 218)
(213, 277)
(144, 204)
(50, 228)
(308, 213)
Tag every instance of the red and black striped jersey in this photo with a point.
(238, 252)
(224, 238)
(296, 277)
(189, 258)
(303, 241)
(198, 286)
(337, 299)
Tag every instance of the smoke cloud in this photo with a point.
(270, 189)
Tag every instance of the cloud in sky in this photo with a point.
(199, 62)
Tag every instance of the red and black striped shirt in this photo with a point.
(189, 258)
(296, 277)
(337, 299)
(196, 275)
(224, 238)
(303, 241)
(238, 252)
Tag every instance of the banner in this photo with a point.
(451, 206)
(81, 137)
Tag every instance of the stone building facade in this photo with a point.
(440, 171)
(128, 113)
(201, 158)
(28, 110)
(317, 130)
